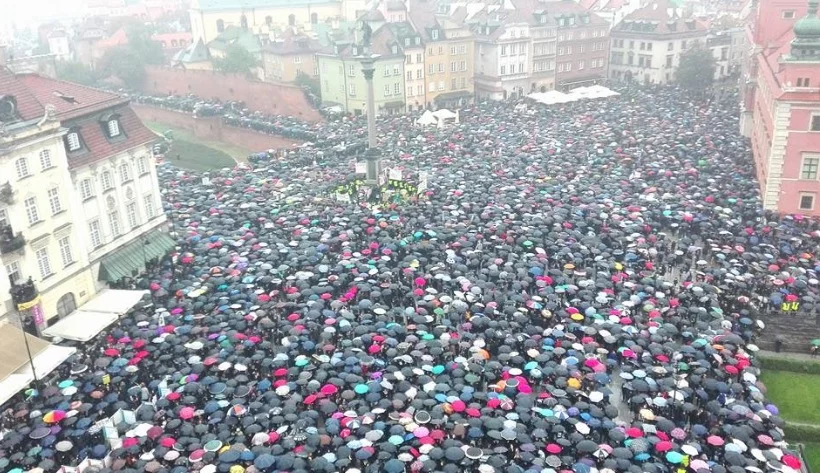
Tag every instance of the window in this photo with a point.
(462, 49)
(670, 46)
(520, 67)
(463, 82)
(561, 50)
(669, 60)
(418, 57)
(580, 65)
(13, 270)
(351, 89)
(45, 159)
(95, 234)
(418, 73)
(113, 128)
(149, 206)
(131, 214)
(351, 70)
(54, 200)
(125, 173)
(803, 82)
(434, 34)
(815, 122)
(462, 66)
(396, 70)
(220, 25)
(106, 181)
(788, 14)
(65, 251)
(142, 165)
(387, 90)
(73, 141)
(43, 264)
(503, 49)
(513, 49)
(114, 222)
(806, 201)
(409, 90)
(503, 70)
(86, 191)
(431, 69)
(419, 90)
(31, 210)
(386, 71)
(810, 167)
(582, 48)
(409, 75)
(21, 165)
(441, 67)
(453, 83)
(297, 59)
(397, 88)
(441, 85)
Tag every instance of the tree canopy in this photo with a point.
(696, 71)
(237, 59)
(127, 61)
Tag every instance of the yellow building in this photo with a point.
(288, 56)
(449, 56)
(211, 17)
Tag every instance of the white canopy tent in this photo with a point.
(48, 360)
(16, 369)
(95, 315)
(12, 385)
(427, 118)
(444, 114)
(551, 97)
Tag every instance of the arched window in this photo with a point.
(220, 25)
(66, 305)
(314, 18)
(106, 181)
(125, 173)
(22, 168)
(243, 21)
(292, 20)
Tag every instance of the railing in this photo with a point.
(9, 241)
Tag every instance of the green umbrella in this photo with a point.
(816, 342)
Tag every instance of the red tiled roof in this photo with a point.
(28, 107)
(70, 99)
(98, 147)
(662, 15)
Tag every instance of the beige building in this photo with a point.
(449, 52)
(211, 17)
(290, 55)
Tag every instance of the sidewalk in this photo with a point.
(788, 356)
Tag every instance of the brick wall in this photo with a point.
(265, 97)
(212, 129)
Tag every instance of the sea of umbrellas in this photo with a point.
(577, 289)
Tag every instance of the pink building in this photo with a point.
(781, 104)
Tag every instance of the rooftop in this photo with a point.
(254, 4)
(69, 99)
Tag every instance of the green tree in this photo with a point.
(696, 71)
(141, 44)
(306, 82)
(75, 71)
(237, 59)
(126, 65)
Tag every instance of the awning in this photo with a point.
(95, 315)
(48, 360)
(13, 354)
(13, 385)
(130, 259)
(81, 325)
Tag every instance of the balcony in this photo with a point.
(25, 292)
(10, 242)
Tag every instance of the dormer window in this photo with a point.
(113, 128)
(395, 49)
(543, 19)
(434, 34)
(418, 40)
(73, 141)
(407, 41)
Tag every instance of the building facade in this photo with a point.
(502, 54)
(80, 191)
(781, 104)
(544, 47)
(289, 56)
(582, 56)
(211, 17)
(449, 52)
(727, 49)
(647, 44)
(342, 81)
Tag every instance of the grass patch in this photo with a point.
(795, 394)
(238, 153)
(812, 451)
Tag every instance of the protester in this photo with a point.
(576, 290)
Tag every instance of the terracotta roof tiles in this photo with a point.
(28, 107)
(69, 99)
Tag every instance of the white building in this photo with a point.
(79, 195)
(502, 54)
(59, 44)
(727, 49)
(647, 44)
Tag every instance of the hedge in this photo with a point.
(802, 432)
(790, 364)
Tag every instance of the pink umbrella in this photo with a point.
(168, 442)
(714, 440)
(186, 413)
(329, 389)
(554, 448)
(421, 432)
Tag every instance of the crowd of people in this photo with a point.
(576, 289)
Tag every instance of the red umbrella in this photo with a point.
(663, 446)
(329, 389)
(168, 442)
(634, 432)
(791, 461)
(111, 352)
(554, 448)
(129, 442)
(173, 396)
(186, 413)
(730, 369)
(154, 432)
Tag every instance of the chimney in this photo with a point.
(3, 58)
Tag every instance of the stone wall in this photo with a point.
(212, 129)
(267, 97)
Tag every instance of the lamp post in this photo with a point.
(24, 297)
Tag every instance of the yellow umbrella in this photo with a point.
(237, 469)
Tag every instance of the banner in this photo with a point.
(395, 174)
(361, 168)
(28, 305)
